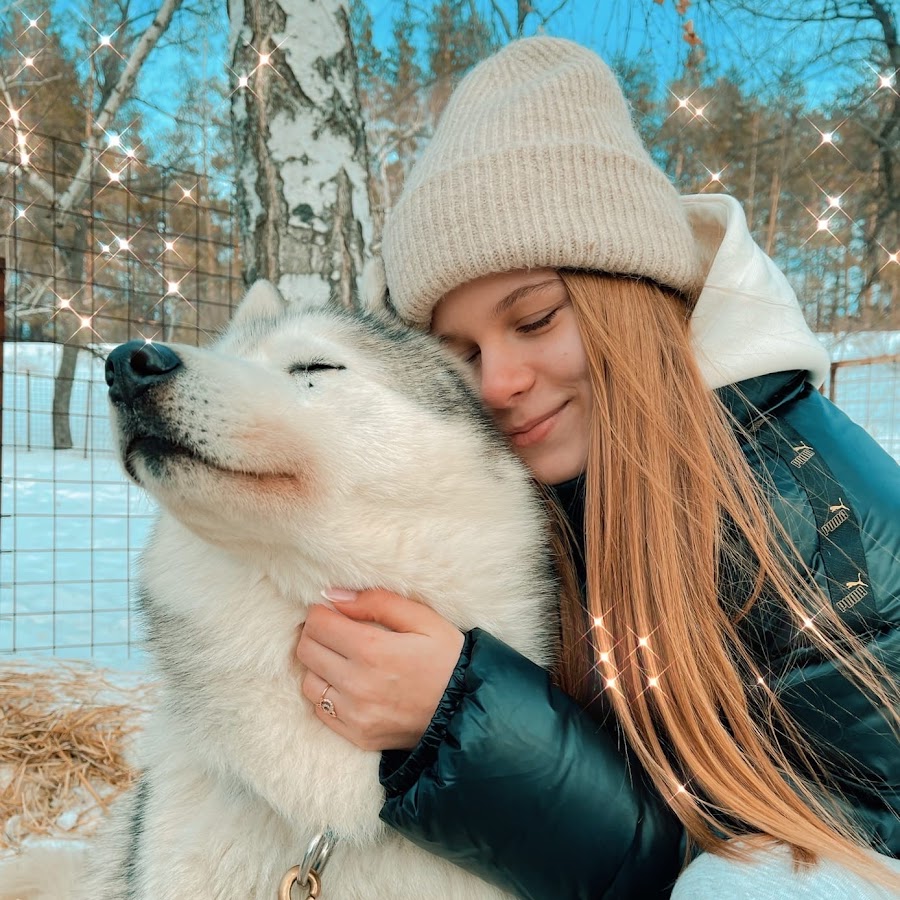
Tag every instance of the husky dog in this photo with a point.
(308, 448)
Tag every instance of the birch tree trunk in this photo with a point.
(303, 195)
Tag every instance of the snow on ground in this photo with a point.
(71, 530)
(869, 394)
(72, 525)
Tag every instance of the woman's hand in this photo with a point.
(385, 660)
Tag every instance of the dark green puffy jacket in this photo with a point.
(514, 782)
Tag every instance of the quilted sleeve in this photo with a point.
(515, 783)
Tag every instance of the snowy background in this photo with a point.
(72, 525)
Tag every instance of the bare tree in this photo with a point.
(837, 34)
(302, 163)
(112, 79)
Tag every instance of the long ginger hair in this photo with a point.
(667, 489)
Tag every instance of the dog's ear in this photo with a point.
(262, 301)
(374, 296)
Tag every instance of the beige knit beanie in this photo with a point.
(535, 162)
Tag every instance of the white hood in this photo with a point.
(747, 321)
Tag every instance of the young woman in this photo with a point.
(728, 680)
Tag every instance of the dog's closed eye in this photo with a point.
(310, 367)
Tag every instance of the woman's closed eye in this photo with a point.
(472, 355)
(543, 322)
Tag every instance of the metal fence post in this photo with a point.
(28, 410)
(87, 418)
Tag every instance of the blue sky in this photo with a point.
(653, 32)
(635, 29)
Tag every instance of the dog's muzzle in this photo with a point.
(133, 368)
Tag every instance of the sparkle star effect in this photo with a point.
(682, 103)
(826, 222)
(66, 304)
(715, 178)
(105, 42)
(827, 138)
(808, 624)
(263, 61)
(264, 57)
(29, 61)
(188, 193)
(169, 245)
(242, 82)
(885, 81)
(835, 203)
(610, 674)
(85, 323)
(33, 25)
(893, 257)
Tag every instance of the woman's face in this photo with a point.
(518, 332)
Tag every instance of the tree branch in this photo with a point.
(80, 181)
(35, 180)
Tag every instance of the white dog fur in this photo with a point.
(283, 480)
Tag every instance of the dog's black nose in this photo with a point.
(134, 367)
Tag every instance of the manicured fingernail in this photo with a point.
(338, 595)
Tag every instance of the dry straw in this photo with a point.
(65, 729)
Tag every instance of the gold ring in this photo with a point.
(326, 704)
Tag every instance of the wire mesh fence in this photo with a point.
(146, 253)
(149, 253)
(868, 388)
